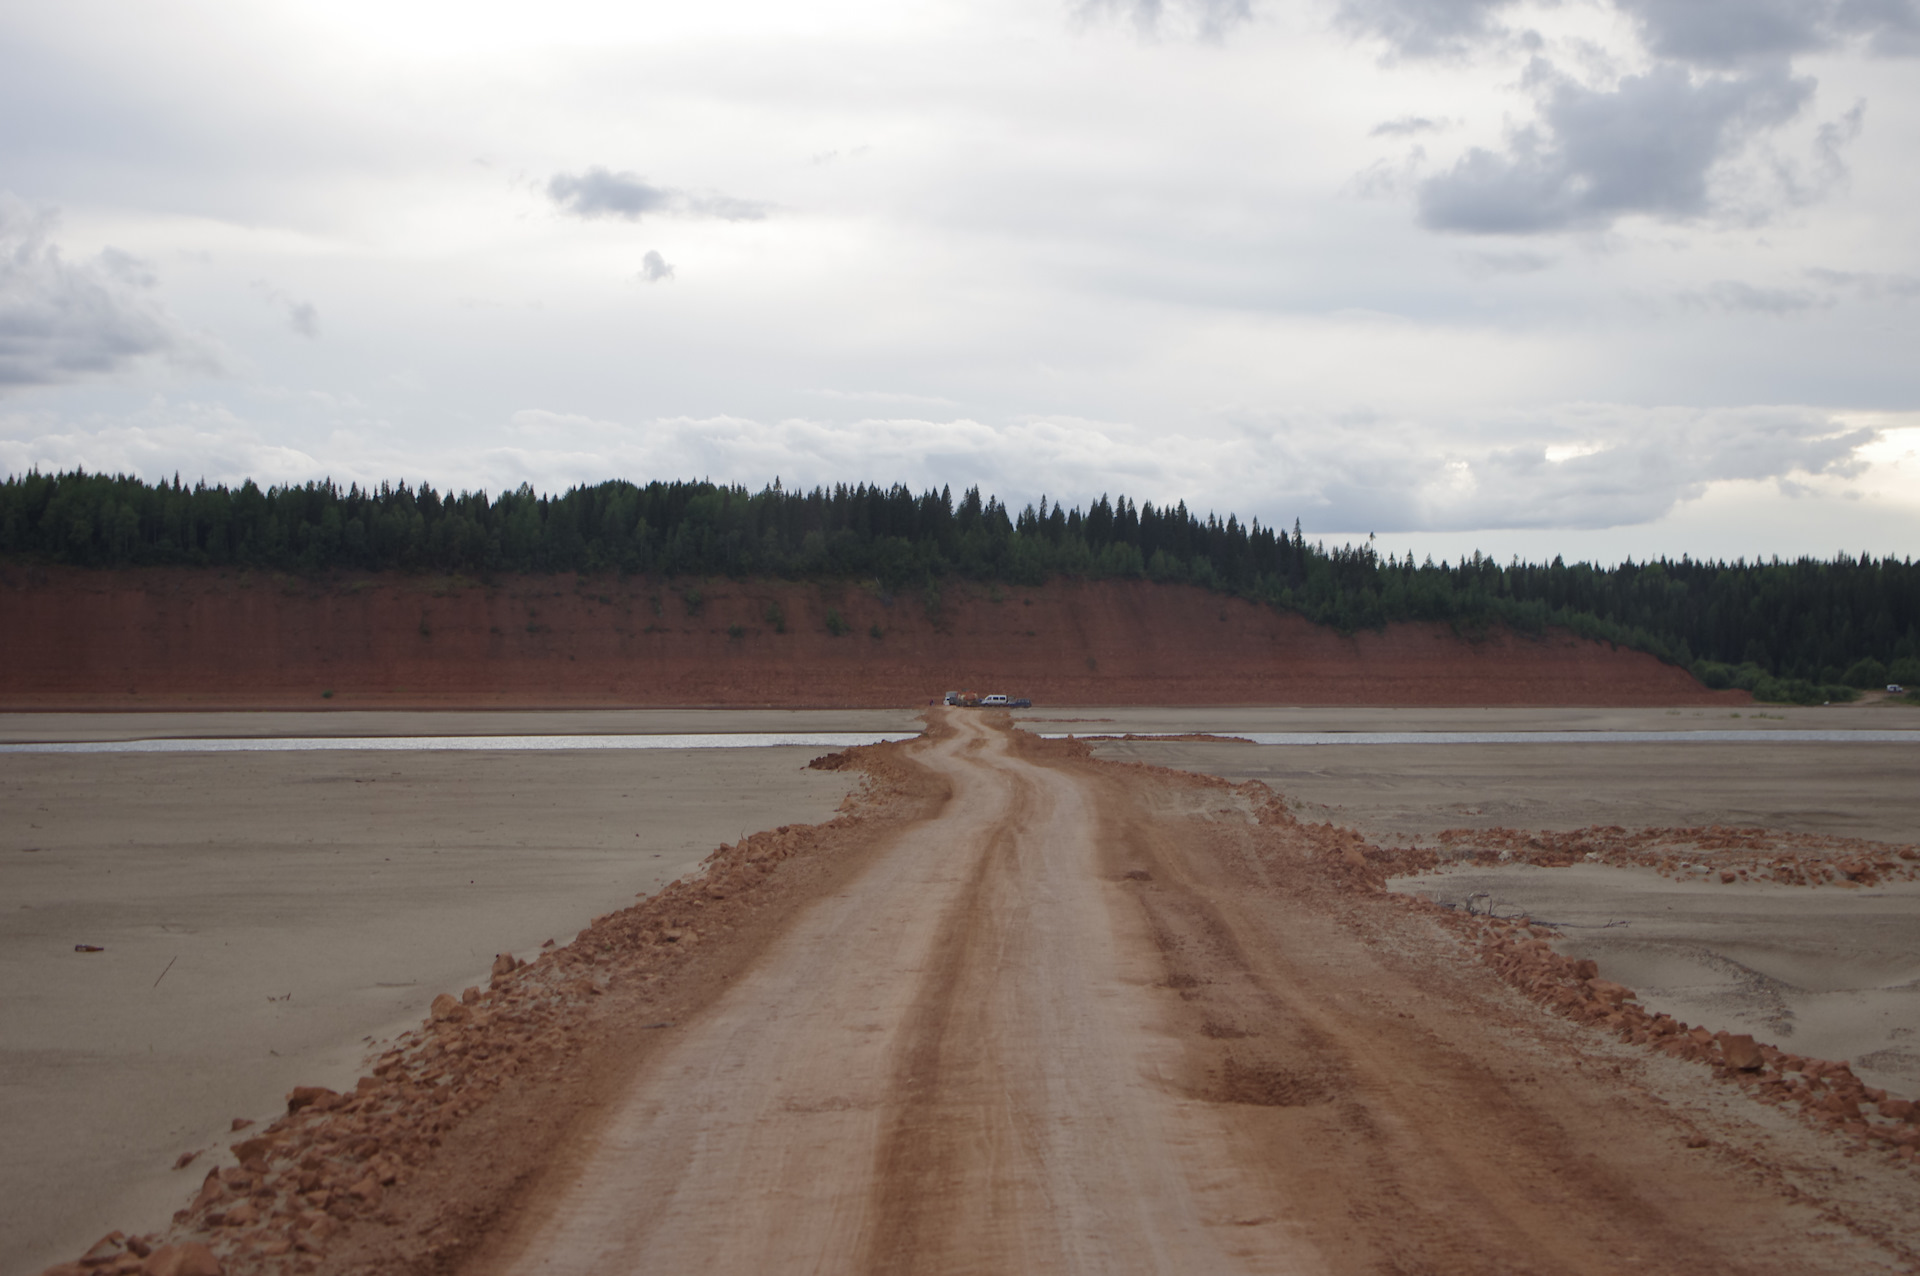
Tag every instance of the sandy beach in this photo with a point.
(268, 918)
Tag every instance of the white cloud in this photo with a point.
(66, 321)
(1579, 466)
(195, 440)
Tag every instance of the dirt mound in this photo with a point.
(206, 638)
(1712, 853)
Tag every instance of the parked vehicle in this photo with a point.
(1894, 688)
(993, 702)
(1021, 703)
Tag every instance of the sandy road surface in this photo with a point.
(951, 1065)
(1079, 1024)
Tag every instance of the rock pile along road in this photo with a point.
(1094, 1018)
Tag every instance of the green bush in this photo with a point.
(1801, 691)
(1866, 673)
(1905, 671)
(1712, 675)
(835, 624)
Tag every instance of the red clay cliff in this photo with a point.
(167, 637)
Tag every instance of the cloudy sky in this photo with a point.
(1594, 277)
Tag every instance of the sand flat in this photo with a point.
(23, 728)
(1876, 712)
(1392, 793)
(1834, 974)
(263, 915)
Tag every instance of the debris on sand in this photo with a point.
(1826, 1092)
(117, 1254)
(1708, 853)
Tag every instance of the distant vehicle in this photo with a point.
(953, 697)
(1896, 688)
(1021, 703)
(993, 702)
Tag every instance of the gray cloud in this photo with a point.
(600, 192)
(302, 316)
(1422, 28)
(1732, 32)
(1405, 126)
(1871, 284)
(654, 268)
(1717, 33)
(1651, 466)
(1891, 27)
(65, 321)
(1206, 19)
(1649, 145)
(1487, 265)
(1590, 466)
(1732, 295)
(1835, 136)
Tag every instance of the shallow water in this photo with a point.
(470, 743)
(1553, 737)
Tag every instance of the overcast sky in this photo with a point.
(1600, 277)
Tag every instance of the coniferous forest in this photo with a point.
(1803, 631)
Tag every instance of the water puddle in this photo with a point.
(471, 743)
(1546, 737)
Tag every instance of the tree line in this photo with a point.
(1799, 630)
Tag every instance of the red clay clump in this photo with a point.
(1713, 853)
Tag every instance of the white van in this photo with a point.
(993, 702)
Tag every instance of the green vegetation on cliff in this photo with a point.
(1786, 630)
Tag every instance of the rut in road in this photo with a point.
(1037, 1035)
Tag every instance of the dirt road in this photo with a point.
(1087, 1020)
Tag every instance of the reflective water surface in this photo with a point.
(470, 743)
(1558, 737)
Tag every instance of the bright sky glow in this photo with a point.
(1596, 278)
